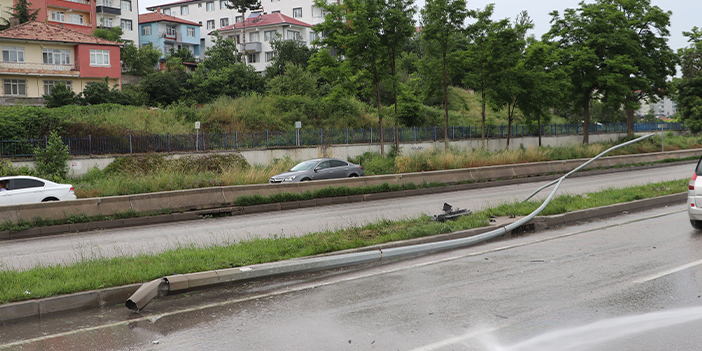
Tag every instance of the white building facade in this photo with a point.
(214, 15)
(119, 13)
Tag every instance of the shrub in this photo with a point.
(52, 160)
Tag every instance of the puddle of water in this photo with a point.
(588, 336)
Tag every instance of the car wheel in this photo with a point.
(305, 179)
(353, 175)
(49, 199)
(696, 224)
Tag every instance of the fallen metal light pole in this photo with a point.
(182, 282)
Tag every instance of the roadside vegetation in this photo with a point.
(93, 271)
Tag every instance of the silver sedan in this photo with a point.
(319, 168)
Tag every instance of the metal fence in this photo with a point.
(91, 145)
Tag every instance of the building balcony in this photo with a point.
(170, 36)
(81, 5)
(108, 10)
(33, 69)
(253, 47)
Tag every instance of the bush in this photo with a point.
(61, 95)
(52, 160)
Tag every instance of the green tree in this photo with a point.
(184, 54)
(22, 10)
(689, 86)
(61, 95)
(140, 61)
(352, 29)
(510, 71)
(288, 51)
(397, 28)
(295, 81)
(113, 33)
(222, 54)
(234, 81)
(441, 21)
(52, 161)
(164, 88)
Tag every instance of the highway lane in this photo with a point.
(627, 283)
(65, 249)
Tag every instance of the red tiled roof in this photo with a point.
(40, 31)
(267, 20)
(159, 17)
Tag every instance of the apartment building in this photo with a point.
(84, 16)
(214, 15)
(169, 33)
(260, 29)
(38, 55)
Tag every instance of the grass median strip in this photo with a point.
(95, 272)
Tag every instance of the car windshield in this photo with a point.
(304, 166)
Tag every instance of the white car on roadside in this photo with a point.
(26, 189)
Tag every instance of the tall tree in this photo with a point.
(689, 86)
(22, 10)
(222, 54)
(352, 29)
(441, 21)
(508, 60)
(397, 28)
(288, 51)
(482, 60)
(612, 49)
(242, 6)
(113, 33)
(139, 61)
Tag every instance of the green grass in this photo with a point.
(96, 272)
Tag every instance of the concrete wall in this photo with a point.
(215, 197)
(80, 165)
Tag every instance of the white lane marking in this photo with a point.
(454, 340)
(668, 272)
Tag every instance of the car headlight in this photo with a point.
(289, 179)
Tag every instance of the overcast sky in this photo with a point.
(686, 13)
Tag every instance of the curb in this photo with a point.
(200, 280)
(283, 206)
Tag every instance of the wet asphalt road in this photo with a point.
(628, 283)
(131, 241)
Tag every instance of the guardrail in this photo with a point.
(102, 145)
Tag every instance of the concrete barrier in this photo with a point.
(215, 197)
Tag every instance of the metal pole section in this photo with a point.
(236, 139)
(197, 140)
(90, 145)
(587, 163)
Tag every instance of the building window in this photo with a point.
(170, 31)
(191, 32)
(276, 11)
(99, 58)
(253, 58)
(127, 5)
(126, 24)
(294, 35)
(12, 54)
(146, 30)
(222, 5)
(297, 12)
(210, 24)
(317, 12)
(56, 56)
(275, 0)
(238, 19)
(313, 36)
(169, 48)
(167, 12)
(254, 37)
(75, 18)
(58, 16)
(269, 56)
(270, 34)
(210, 6)
(49, 84)
(223, 22)
(15, 87)
(184, 10)
(106, 21)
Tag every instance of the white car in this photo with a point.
(26, 189)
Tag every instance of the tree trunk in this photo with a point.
(510, 117)
(446, 140)
(380, 112)
(630, 118)
(394, 95)
(586, 120)
(539, 125)
(482, 114)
